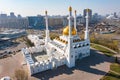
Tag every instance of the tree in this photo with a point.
(116, 59)
(21, 74)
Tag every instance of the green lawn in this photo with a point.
(113, 75)
(101, 49)
(115, 67)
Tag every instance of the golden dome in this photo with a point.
(45, 12)
(70, 8)
(88, 10)
(66, 31)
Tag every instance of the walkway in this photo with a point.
(116, 53)
(115, 72)
(106, 48)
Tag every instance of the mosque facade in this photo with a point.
(63, 50)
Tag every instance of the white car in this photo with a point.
(5, 78)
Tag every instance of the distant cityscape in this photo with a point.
(38, 22)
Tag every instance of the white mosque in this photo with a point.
(64, 50)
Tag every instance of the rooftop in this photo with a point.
(39, 56)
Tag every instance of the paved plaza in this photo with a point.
(10, 64)
(90, 68)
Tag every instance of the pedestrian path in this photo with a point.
(106, 48)
(116, 53)
(115, 72)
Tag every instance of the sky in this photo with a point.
(58, 7)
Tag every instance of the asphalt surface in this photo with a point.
(93, 67)
(11, 63)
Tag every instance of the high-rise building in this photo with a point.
(118, 14)
(12, 15)
(12, 21)
(3, 15)
(19, 16)
(89, 13)
(95, 18)
(57, 20)
(36, 21)
(80, 20)
(115, 15)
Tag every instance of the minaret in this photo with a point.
(70, 52)
(70, 24)
(47, 38)
(75, 21)
(87, 22)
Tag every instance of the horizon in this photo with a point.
(33, 8)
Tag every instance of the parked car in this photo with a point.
(5, 78)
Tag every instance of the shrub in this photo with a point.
(113, 44)
(21, 74)
(116, 59)
(28, 42)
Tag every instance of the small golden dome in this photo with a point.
(88, 10)
(66, 31)
(70, 8)
(46, 12)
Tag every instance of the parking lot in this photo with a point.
(12, 58)
(9, 47)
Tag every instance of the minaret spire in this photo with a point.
(46, 18)
(47, 30)
(87, 22)
(75, 21)
(70, 15)
(70, 51)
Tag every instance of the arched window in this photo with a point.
(71, 56)
(83, 45)
(80, 55)
(87, 44)
(74, 46)
(75, 57)
(79, 45)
